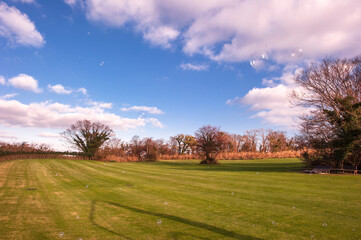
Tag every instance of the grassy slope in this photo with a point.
(258, 199)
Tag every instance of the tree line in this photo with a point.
(97, 141)
(330, 134)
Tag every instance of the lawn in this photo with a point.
(253, 199)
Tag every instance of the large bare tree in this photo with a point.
(87, 136)
(332, 92)
(210, 141)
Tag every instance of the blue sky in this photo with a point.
(158, 68)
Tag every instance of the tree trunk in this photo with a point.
(209, 161)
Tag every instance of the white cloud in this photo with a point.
(70, 2)
(161, 36)
(194, 67)
(49, 135)
(154, 122)
(249, 29)
(83, 91)
(25, 1)
(144, 15)
(7, 96)
(18, 28)
(151, 110)
(26, 82)
(59, 89)
(100, 104)
(236, 31)
(273, 103)
(2, 80)
(57, 115)
(74, 3)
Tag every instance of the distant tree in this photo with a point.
(162, 146)
(276, 141)
(184, 143)
(237, 142)
(145, 149)
(332, 92)
(250, 140)
(87, 136)
(210, 140)
(263, 139)
(114, 146)
(136, 147)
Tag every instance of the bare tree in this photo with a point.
(263, 139)
(276, 141)
(145, 149)
(209, 143)
(332, 92)
(237, 142)
(184, 143)
(250, 141)
(87, 136)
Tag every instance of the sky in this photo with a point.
(156, 68)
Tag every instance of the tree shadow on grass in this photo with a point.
(237, 167)
(192, 223)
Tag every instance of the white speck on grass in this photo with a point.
(159, 221)
(293, 207)
(86, 186)
(61, 234)
(123, 171)
(312, 236)
(165, 203)
(232, 193)
(56, 174)
(324, 224)
(80, 238)
(257, 173)
(77, 217)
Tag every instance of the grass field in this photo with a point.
(255, 199)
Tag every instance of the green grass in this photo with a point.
(255, 199)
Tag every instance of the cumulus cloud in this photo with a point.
(18, 28)
(57, 115)
(26, 82)
(144, 15)
(249, 29)
(59, 89)
(161, 36)
(194, 67)
(151, 110)
(273, 103)
(236, 31)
